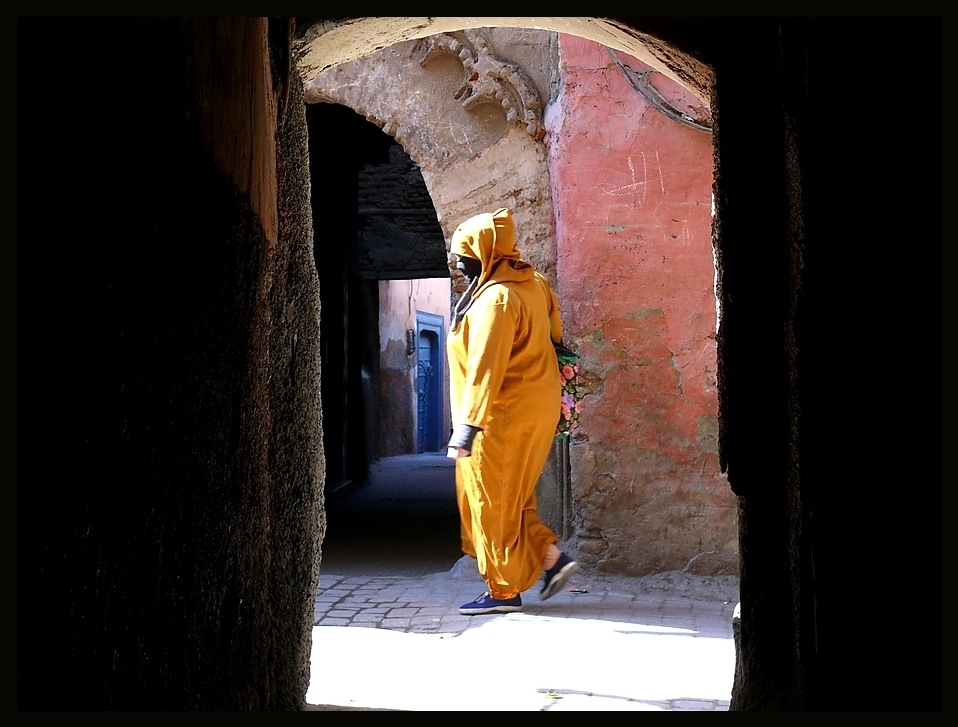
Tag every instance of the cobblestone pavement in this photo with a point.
(387, 633)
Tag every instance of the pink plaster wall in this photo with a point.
(632, 193)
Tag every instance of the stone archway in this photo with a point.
(477, 145)
(468, 107)
(321, 45)
(414, 91)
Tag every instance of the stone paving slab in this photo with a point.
(607, 643)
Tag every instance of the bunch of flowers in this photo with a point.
(571, 396)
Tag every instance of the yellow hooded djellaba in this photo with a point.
(505, 399)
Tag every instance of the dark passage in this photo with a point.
(402, 521)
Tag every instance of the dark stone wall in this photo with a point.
(167, 543)
(820, 422)
(399, 235)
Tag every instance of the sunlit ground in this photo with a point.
(523, 662)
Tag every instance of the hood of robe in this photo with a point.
(490, 237)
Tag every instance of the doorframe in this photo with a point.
(433, 324)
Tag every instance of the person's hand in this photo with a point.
(457, 452)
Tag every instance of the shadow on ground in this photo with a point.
(402, 521)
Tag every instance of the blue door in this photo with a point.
(430, 359)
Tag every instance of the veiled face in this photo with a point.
(489, 238)
(468, 266)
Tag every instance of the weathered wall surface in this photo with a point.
(646, 491)
(635, 270)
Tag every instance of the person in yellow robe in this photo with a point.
(505, 397)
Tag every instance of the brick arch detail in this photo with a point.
(461, 153)
(488, 78)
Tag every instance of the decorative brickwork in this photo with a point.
(488, 79)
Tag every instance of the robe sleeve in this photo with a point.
(552, 305)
